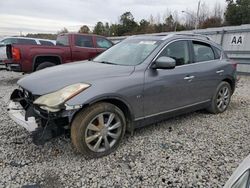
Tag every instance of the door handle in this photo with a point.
(219, 71)
(189, 78)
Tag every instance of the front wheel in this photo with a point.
(98, 130)
(221, 98)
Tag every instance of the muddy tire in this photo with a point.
(221, 98)
(98, 130)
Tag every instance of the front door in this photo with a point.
(169, 89)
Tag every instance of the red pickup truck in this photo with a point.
(69, 47)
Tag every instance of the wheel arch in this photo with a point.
(117, 101)
(231, 82)
(37, 60)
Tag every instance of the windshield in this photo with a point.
(129, 52)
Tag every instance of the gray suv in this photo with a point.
(140, 81)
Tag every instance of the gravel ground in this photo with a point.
(194, 150)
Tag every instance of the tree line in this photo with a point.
(236, 13)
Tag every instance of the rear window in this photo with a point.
(62, 40)
(47, 43)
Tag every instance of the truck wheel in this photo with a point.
(44, 65)
(221, 98)
(98, 130)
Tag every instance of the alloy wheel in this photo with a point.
(103, 132)
(223, 98)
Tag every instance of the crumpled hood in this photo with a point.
(54, 78)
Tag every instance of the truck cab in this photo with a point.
(70, 47)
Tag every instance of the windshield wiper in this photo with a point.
(107, 62)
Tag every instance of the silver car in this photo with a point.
(241, 176)
(139, 81)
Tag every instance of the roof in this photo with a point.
(27, 38)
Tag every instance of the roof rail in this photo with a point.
(168, 35)
(194, 35)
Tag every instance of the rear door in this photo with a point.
(206, 70)
(83, 47)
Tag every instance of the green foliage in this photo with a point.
(42, 36)
(237, 12)
(84, 29)
(127, 24)
(99, 29)
(64, 30)
(212, 22)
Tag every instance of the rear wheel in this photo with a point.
(98, 130)
(221, 98)
(44, 65)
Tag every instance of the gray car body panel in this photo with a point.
(146, 91)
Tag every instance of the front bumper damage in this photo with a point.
(42, 125)
(16, 112)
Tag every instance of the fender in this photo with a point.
(107, 96)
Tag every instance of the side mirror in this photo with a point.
(164, 63)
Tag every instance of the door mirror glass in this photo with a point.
(164, 63)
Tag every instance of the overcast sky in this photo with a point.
(49, 16)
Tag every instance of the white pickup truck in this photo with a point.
(21, 40)
(3, 54)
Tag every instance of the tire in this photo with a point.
(221, 98)
(98, 130)
(44, 65)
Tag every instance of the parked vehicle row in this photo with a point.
(27, 40)
(69, 47)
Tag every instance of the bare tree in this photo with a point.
(204, 13)
(218, 11)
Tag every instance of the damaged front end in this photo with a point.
(42, 124)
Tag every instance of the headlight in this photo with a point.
(52, 101)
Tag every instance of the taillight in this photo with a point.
(16, 55)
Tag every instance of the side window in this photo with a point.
(179, 51)
(217, 53)
(243, 181)
(47, 43)
(203, 52)
(84, 41)
(62, 40)
(103, 43)
(26, 41)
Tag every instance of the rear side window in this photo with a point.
(179, 51)
(26, 41)
(84, 41)
(47, 43)
(203, 52)
(217, 53)
(103, 43)
(62, 40)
